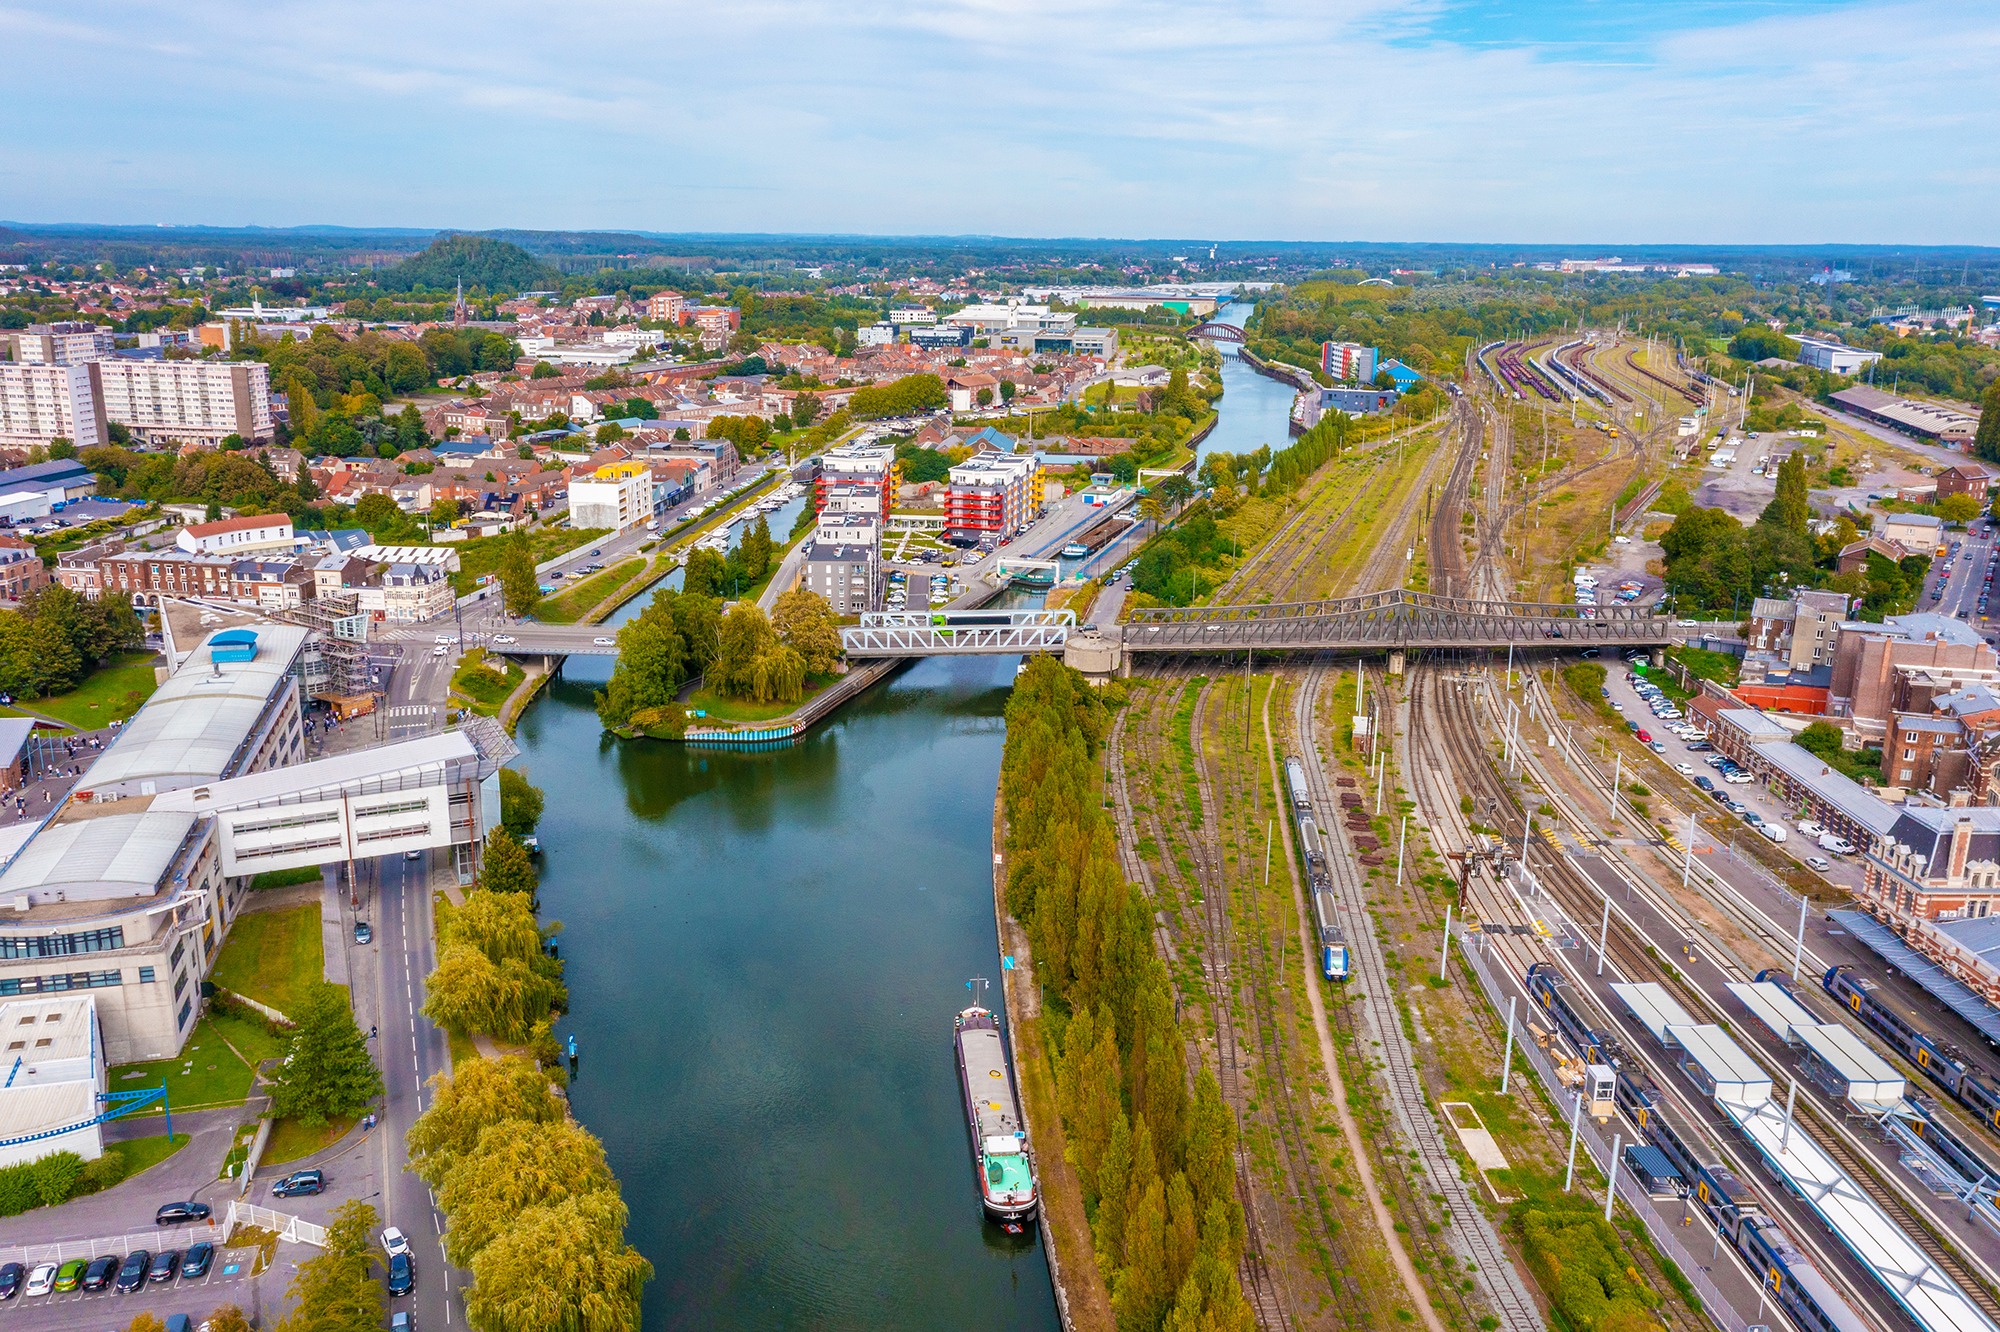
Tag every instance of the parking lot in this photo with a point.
(1691, 763)
(227, 1279)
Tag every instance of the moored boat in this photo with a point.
(1000, 1156)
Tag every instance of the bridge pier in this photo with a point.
(1099, 656)
(1396, 662)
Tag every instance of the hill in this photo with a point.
(481, 261)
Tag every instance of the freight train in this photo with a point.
(1732, 1207)
(1333, 961)
(1964, 1085)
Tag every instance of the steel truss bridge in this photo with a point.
(1219, 332)
(1393, 621)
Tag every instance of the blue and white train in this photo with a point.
(1319, 876)
(1732, 1207)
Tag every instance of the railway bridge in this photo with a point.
(1219, 332)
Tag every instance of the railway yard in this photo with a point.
(1375, 891)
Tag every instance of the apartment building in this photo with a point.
(1869, 661)
(616, 496)
(42, 402)
(59, 344)
(666, 305)
(843, 563)
(865, 466)
(21, 572)
(188, 402)
(989, 494)
(1348, 361)
(243, 535)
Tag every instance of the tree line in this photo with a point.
(1154, 1157)
(58, 637)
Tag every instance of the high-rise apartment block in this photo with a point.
(1348, 361)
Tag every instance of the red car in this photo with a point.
(1645, 738)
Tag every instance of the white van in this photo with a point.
(1811, 829)
(1840, 846)
(1774, 831)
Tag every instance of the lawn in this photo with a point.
(724, 709)
(487, 686)
(112, 693)
(145, 1153)
(209, 1072)
(286, 878)
(272, 956)
(571, 605)
(481, 555)
(290, 1140)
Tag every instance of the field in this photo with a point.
(112, 693)
(272, 956)
(485, 686)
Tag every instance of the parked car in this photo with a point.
(1645, 737)
(402, 1273)
(402, 1321)
(1705, 784)
(69, 1275)
(1820, 863)
(199, 1256)
(394, 1241)
(11, 1277)
(363, 932)
(177, 1213)
(42, 1279)
(100, 1272)
(1840, 846)
(165, 1265)
(1810, 828)
(300, 1184)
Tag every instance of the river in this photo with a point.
(765, 952)
(1255, 409)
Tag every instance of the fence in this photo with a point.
(108, 1246)
(1671, 1238)
(282, 1224)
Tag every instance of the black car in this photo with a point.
(11, 1277)
(132, 1274)
(402, 1274)
(300, 1184)
(199, 1256)
(176, 1213)
(165, 1264)
(99, 1273)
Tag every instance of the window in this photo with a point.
(180, 984)
(62, 945)
(1909, 754)
(179, 949)
(186, 1008)
(75, 980)
(145, 975)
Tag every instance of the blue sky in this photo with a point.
(1472, 120)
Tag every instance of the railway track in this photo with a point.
(1632, 360)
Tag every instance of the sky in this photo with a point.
(1691, 121)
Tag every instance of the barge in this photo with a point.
(1000, 1157)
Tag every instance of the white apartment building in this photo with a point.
(616, 496)
(187, 402)
(912, 315)
(245, 535)
(41, 402)
(60, 344)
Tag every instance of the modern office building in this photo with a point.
(40, 402)
(55, 1058)
(988, 494)
(1348, 361)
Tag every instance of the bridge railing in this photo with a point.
(1394, 599)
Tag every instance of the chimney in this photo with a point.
(1961, 846)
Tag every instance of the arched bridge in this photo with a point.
(1219, 332)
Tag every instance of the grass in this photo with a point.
(286, 878)
(486, 687)
(463, 1051)
(720, 708)
(578, 599)
(290, 1140)
(145, 1153)
(481, 555)
(272, 956)
(111, 693)
(209, 1072)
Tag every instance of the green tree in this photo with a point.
(493, 975)
(60, 449)
(1958, 510)
(705, 575)
(805, 622)
(561, 1266)
(444, 513)
(756, 550)
(652, 663)
(335, 1291)
(479, 1094)
(146, 1322)
(1986, 440)
(228, 1318)
(1789, 508)
(520, 586)
(327, 1072)
(517, 1165)
(506, 867)
(520, 801)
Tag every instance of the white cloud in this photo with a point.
(1328, 120)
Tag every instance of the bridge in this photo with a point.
(1219, 332)
(1392, 621)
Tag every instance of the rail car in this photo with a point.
(1333, 956)
(1963, 1084)
(1731, 1207)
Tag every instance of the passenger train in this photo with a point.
(1731, 1206)
(1319, 875)
(1965, 1085)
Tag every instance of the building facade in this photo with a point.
(242, 535)
(44, 402)
(989, 494)
(616, 496)
(188, 402)
(1348, 361)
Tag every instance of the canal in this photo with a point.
(765, 953)
(1255, 410)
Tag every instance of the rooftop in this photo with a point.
(119, 855)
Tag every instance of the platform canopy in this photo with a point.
(1656, 1010)
(1725, 1069)
(1773, 1005)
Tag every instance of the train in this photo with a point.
(1732, 1208)
(1965, 1085)
(1333, 957)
